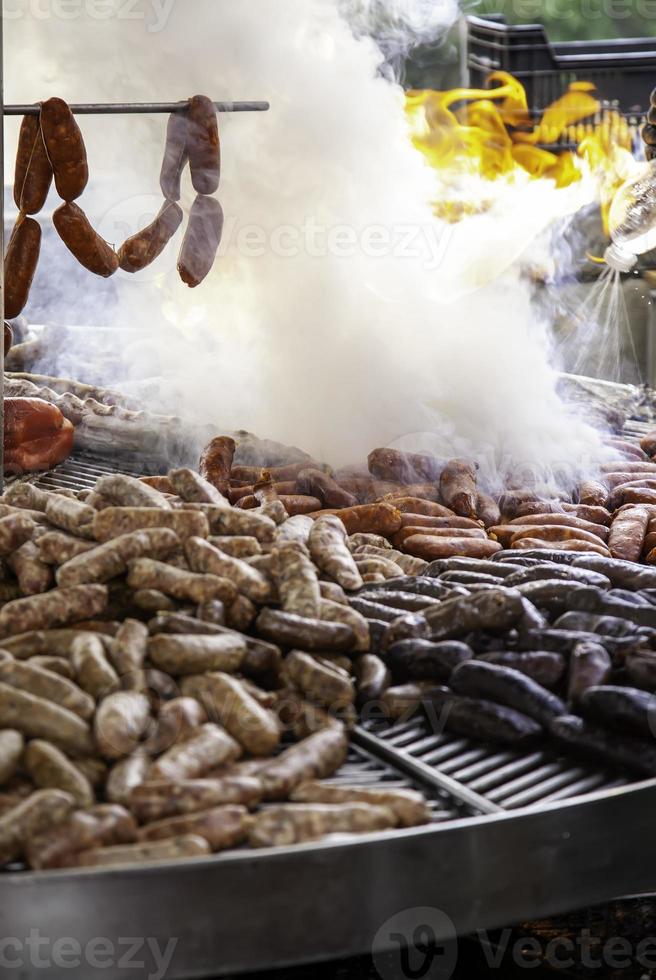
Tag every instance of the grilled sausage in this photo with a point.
(625, 751)
(480, 718)
(39, 814)
(175, 155)
(624, 709)
(159, 800)
(36, 717)
(278, 826)
(139, 251)
(204, 558)
(208, 748)
(541, 666)
(55, 608)
(11, 750)
(216, 462)
(49, 768)
(201, 241)
(399, 467)
(181, 655)
(458, 487)
(506, 686)
(229, 702)
(627, 533)
(203, 145)
(318, 756)
(65, 149)
(408, 806)
(291, 630)
(174, 849)
(430, 547)
(590, 666)
(84, 242)
(33, 175)
(121, 722)
(21, 261)
(421, 660)
(222, 827)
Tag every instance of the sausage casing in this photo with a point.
(21, 261)
(175, 155)
(201, 241)
(65, 148)
(139, 251)
(204, 145)
(84, 242)
(33, 169)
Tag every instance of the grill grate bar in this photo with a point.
(486, 776)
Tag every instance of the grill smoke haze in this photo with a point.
(332, 346)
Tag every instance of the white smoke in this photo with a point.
(323, 323)
(400, 25)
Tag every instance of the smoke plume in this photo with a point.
(324, 322)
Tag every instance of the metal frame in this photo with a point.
(246, 911)
(116, 108)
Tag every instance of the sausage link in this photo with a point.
(175, 155)
(201, 241)
(21, 261)
(141, 250)
(65, 148)
(33, 175)
(80, 238)
(203, 145)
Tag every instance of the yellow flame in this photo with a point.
(490, 133)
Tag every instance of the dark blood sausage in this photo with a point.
(478, 718)
(622, 574)
(496, 610)
(290, 630)
(175, 155)
(621, 709)
(201, 241)
(65, 149)
(143, 248)
(33, 175)
(542, 666)
(203, 145)
(458, 487)
(641, 668)
(20, 264)
(625, 751)
(421, 660)
(508, 687)
(590, 666)
(216, 462)
(86, 245)
(535, 573)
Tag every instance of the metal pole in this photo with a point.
(2, 253)
(134, 108)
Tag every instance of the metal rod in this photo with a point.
(135, 108)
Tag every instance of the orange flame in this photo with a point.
(490, 133)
